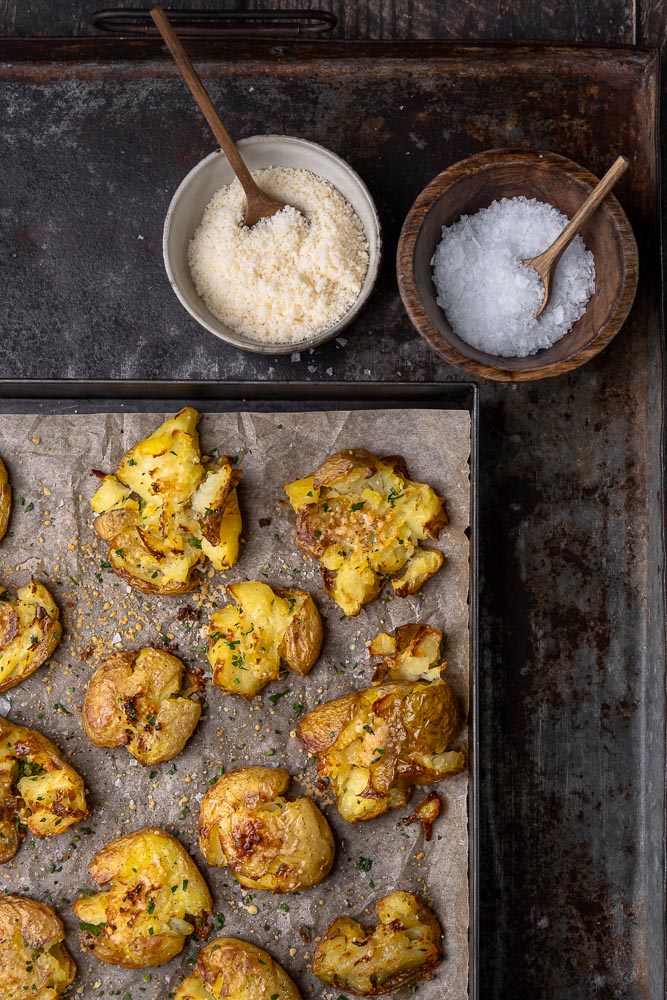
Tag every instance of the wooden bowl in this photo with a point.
(474, 183)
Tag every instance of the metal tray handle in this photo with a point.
(298, 23)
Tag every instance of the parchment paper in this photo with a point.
(50, 536)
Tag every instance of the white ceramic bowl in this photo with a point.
(198, 187)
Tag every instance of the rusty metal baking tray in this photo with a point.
(45, 398)
(572, 651)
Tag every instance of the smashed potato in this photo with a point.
(30, 630)
(33, 959)
(156, 898)
(371, 961)
(38, 789)
(425, 814)
(5, 499)
(267, 841)
(267, 627)
(166, 510)
(140, 699)
(365, 520)
(230, 969)
(375, 745)
(412, 653)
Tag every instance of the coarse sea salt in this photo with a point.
(490, 298)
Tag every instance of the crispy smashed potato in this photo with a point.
(140, 699)
(371, 961)
(267, 841)
(365, 520)
(33, 960)
(5, 499)
(375, 745)
(30, 630)
(412, 653)
(267, 627)
(425, 814)
(156, 898)
(38, 789)
(166, 510)
(230, 969)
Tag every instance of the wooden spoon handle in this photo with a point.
(583, 214)
(197, 90)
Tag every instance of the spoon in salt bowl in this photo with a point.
(258, 204)
(545, 263)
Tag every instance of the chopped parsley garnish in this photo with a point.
(27, 769)
(94, 929)
(358, 506)
(393, 496)
(365, 864)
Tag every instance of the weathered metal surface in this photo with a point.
(572, 651)
(600, 21)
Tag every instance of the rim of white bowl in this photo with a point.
(259, 347)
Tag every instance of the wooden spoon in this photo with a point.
(259, 205)
(545, 263)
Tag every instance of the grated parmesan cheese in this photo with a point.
(290, 276)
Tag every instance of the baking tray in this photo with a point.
(572, 624)
(113, 397)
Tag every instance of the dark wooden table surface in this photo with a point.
(552, 925)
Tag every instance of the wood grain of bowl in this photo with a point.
(474, 183)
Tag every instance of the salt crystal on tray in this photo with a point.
(490, 298)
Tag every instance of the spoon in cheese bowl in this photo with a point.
(258, 204)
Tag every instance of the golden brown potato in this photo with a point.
(267, 841)
(374, 745)
(33, 960)
(156, 898)
(412, 653)
(425, 814)
(30, 630)
(166, 510)
(230, 969)
(141, 699)
(5, 499)
(267, 627)
(365, 520)
(371, 961)
(38, 789)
